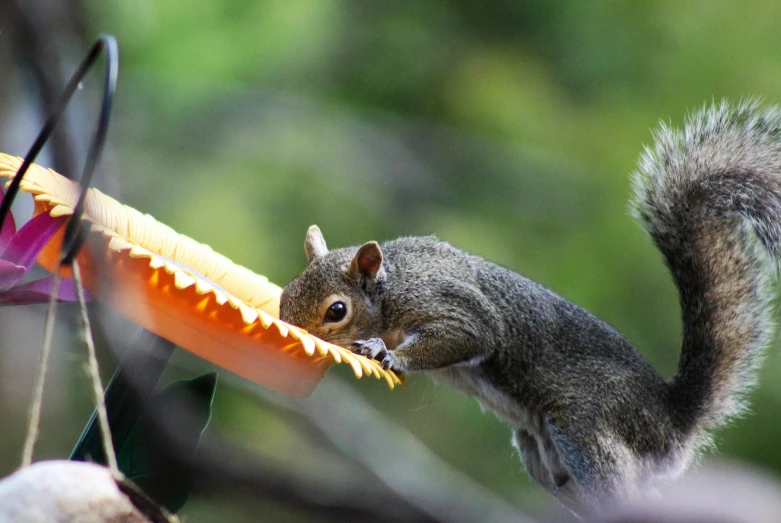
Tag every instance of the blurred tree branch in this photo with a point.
(395, 477)
(367, 438)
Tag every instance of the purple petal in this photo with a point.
(9, 228)
(66, 292)
(10, 274)
(38, 291)
(17, 297)
(28, 242)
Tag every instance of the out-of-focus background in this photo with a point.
(508, 128)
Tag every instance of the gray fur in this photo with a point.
(594, 423)
(705, 196)
(314, 244)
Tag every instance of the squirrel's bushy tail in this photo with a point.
(710, 197)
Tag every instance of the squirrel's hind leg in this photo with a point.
(528, 447)
(603, 470)
(543, 464)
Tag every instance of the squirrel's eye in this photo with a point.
(336, 312)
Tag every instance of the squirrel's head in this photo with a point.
(336, 297)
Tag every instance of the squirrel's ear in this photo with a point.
(367, 262)
(314, 245)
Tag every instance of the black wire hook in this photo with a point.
(135, 378)
(74, 233)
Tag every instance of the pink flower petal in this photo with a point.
(66, 292)
(10, 274)
(9, 228)
(38, 291)
(17, 297)
(28, 242)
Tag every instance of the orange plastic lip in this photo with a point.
(160, 292)
(217, 333)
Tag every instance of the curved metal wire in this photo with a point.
(74, 236)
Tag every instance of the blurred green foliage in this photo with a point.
(508, 128)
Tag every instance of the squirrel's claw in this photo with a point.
(390, 362)
(374, 348)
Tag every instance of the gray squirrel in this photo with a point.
(592, 420)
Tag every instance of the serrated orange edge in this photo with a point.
(185, 292)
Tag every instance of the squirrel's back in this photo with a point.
(710, 198)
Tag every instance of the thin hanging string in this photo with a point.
(73, 237)
(34, 417)
(94, 374)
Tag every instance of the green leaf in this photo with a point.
(179, 413)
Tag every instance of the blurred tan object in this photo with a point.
(719, 492)
(185, 292)
(65, 492)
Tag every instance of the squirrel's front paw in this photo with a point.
(374, 348)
